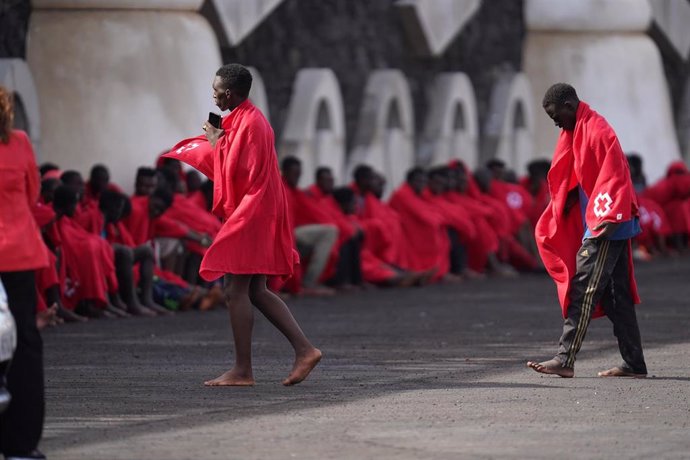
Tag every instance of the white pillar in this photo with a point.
(601, 48)
(315, 128)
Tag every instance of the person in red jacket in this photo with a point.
(256, 239)
(584, 236)
(21, 252)
(424, 228)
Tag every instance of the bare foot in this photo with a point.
(620, 372)
(303, 366)
(116, 312)
(232, 378)
(552, 366)
(140, 310)
(70, 316)
(159, 310)
(47, 317)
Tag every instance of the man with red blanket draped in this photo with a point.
(255, 240)
(584, 235)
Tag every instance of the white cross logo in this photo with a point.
(191, 146)
(514, 200)
(602, 204)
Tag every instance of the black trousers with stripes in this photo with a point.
(602, 277)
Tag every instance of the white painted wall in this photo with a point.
(120, 86)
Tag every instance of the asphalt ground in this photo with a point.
(426, 373)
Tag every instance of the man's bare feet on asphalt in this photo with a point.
(552, 366)
(620, 372)
(232, 378)
(303, 366)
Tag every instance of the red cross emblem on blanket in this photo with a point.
(602, 204)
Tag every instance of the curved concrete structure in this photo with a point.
(16, 77)
(315, 128)
(451, 129)
(509, 129)
(187, 5)
(618, 71)
(588, 15)
(120, 86)
(385, 129)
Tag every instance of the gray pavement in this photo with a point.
(432, 373)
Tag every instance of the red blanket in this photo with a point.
(592, 157)
(426, 239)
(248, 196)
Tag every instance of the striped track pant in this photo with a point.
(602, 277)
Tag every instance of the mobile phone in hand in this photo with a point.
(214, 120)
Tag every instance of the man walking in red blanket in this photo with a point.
(584, 235)
(255, 240)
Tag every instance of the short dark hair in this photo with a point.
(495, 163)
(558, 94)
(343, 195)
(145, 172)
(170, 178)
(163, 194)
(64, 197)
(110, 198)
(45, 167)
(416, 171)
(236, 78)
(322, 170)
(98, 169)
(69, 176)
(361, 172)
(438, 171)
(289, 162)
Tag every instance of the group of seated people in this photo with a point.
(664, 210)
(115, 255)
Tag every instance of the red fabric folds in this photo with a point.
(249, 197)
(591, 157)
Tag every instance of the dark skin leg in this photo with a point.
(242, 323)
(124, 262)
(241, 291)
(275, 310)
(143, 255)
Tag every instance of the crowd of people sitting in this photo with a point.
(113, 255)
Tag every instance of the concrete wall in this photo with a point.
(120, 86)
(614, 66)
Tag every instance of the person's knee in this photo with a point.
(144, 251)
(123, 254)
(234, 295)
(257, 294)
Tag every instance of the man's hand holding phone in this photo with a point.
(212, 128)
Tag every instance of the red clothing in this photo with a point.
(142, 228)
(89, 263)
(347, 228)
(653, 221)
(21, 245)
(516, 199)
(189, 215)
(248, 196)
(427, 244)
(673, 195)
(93, 196)
(382, 227)
(540, 198)
(591, 157)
